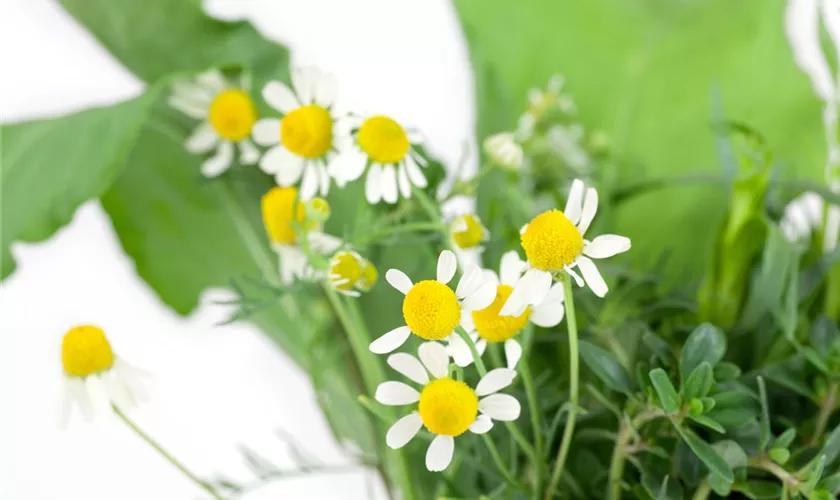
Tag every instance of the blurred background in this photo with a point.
(214, 388)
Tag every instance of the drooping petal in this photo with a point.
(202, 140)
(447, 266)
(574, 203)
(188, 107)
(293, 263)
(803, 31)
(117, 391)
(323, 243)
(302, 79)
(469, 282)
(606, 245)
(434, 358)
(348, 165)
(511, 268)
(409, 366)
(440, 453)
(513, 352)
(279, 160)
(481, 298)
(213, 80)
(403, 430)
(215, 165)
(500, 407)
(467, 323)
(592, 277)
(590, 206)
(494, 381)
(373, 185)
(459, 351)
(280, 97)
(393, 393)
(531, 289)
(574, 275)
(398, 280)
(388, 184)
(323, 180)
(402, 181)
(547, 314)
(266, 132)
(390, 341)
(98, 394)
(482, 425)
(309, 185)
(325, 89)
(415, 175)
(248, 153)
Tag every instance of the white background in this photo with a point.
(214, 388)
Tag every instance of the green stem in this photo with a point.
(434, 214)
(826, 409)
(533, 404)
(500, 464)
(568, 432)
(702, 492)
(165, 454)
(404, 228)
(618, 460)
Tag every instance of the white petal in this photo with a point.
(293, 263)
(98, 394)
(403, 430)
(286, 166)
(373, 186)
(434, 358)
(323, 243)
(202, 139)
(531, 289)
(415, 175)
(66, 400)
(574, 275)
(266, 132)
(408, 365)
(803, 31)
(511, 268)
(326, 89)
(494, 381)
(469, 282)
(402, 180)
(480, 346)
(390, 341)
(513, 352)
(606, 245)
(482, 425)
(348, 165)
(388, 184)
(302, 78)
(460, 351)
(188, 107)
(446, 266)
(592, 276)
(398, 280)
(118, 393)
(81, 397)
(213, 80)
(440, 453)
(467, 323)
(248, 153)
(280, 97)
(131, 377)
(190, 90)
(500, 407)
(393, 393)
(309, 185)
(590, 206)
(481, 298)
(575, 202)
(217, 164)
(550, 311)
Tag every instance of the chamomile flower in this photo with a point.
(431, 309)
(488, 325)
(305, 139)
(802, 217)
(505, 150)
(445, 406)
(229, 115)
(285, 217)
(383, 148)
(94, 377)
(553, 242)
(350, 273)
(467, 232)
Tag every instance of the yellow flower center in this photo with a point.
(448, 407)
(85, 351)
(472, 235)
(431, 310)
(318, 209)
(307, 131)
(369, 276)
(495, 328)
(279, 214)
(551, 241)
(383, 139)
(345, 267)
(232, 114)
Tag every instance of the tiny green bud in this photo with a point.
(779, 455)
(318, 209)
(708, 404)
(696, 406)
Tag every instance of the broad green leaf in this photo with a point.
(824, 333)
(760, 490)
(706, 343)
(699, 383)
(725, 372)
(777, 262)
(785, 439)
(764, 416)
(668, 397)
(720, 485)
(636, 83)
(731, 452)
(50, 167)
(707, 455)
(707, 422)
(831, 447)
(779, 455)
(606, 367)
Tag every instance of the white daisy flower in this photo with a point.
(431, 309)
(467, 232)
(384, 149)
(229, 115)
(488, 325)
(284, 217)
(553, 242)
(306, 138)
(803, 216)
(445, 406)
(351, 274)
(504, 150)
(541, 101)
(94, 377)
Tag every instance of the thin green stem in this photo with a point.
(411, 227)
(434, 214)
(619, 457)
(826, 409)
(165, 454)
(500, 464)
(703, 492)
(479, 363)
(533, 405)
(371, 374)
(568, 432)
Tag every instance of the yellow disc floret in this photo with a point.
(85, 351)
(232, 114)
(431, 310)
(494, 328)
(318, 209)
(551, 241)
(280, 215)
(345, 270)
(383, 139)
(307, 131)
(448, 407)
(369, 276)
(470, 233)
